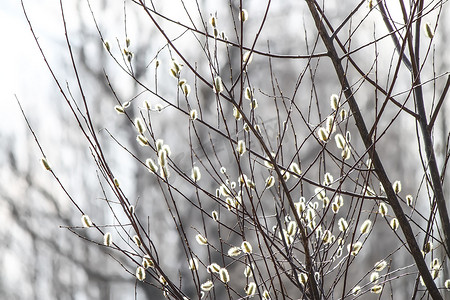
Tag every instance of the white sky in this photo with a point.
(22, 70)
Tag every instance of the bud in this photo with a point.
(213, 21)
(320, 193)
(243, 15)
(224, 276)
(159, 143)
(142, 140)
(201, 240)
(186, 88)
(339, 252)
(303, 278)
(86, 221)
(248, 93)
(322, 134)
(343, 114)
(340, 141)
(258, 128)
(382, 209)
(376, 289)
(327, 237)
(356, 290)
(409, 200)
(435, 265)
(394, 224)
(119, 109)
(342, 224)
(193, 264)
(428, 32)
(193, 114)
(335, 207)
(234, 251)
(328, 179)
(397, 186)
(162, 159)
(107, 239)
(166, 149)
(346, 153)
(137, 241)
(158, 107)
(213, 268)
(270, 181)
(435, 273)
(224, 191)
(152, 167)
(246, 247)
(354, 248)
(374, 276)
(45, 164)
(330, 124)
(207, 286)
(162, 280)
(224, 36)
(369, 165)
(176, 67)
(196, 175)
(236, 114)
(295, 168)
(380, 265)
(334, 101)
(253, 104)
(247, 57)
(365, 227)
(292, 228)
(241, 147)
(147, 262)
(140, 273)
(218, 85)
(107, 46)
(428, 247)
(250, 290)
(215, 215)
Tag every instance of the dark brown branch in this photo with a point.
(382, 175)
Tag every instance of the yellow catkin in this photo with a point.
(107, 239)
(224, 276)
(251, 289)
(234, 251)
(218, 85)
(45, 164)
(201, 240)
(246, 247)
(207, 286)
(365, 227)
(140, 273)
(428, 31)
(86, 221)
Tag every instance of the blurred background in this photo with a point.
(39, 257)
